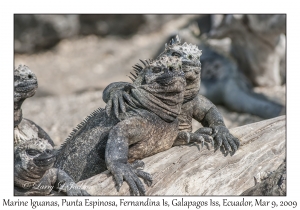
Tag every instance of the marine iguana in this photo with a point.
(25, 86)
(149, 126)
(222, 83)
(34, 175)
(194, 106)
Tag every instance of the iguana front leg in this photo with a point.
(65, 184)
(125, 133)
(114, 95)
(208, 115)
(221, 134)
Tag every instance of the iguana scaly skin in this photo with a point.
(25, 86)
(149, 125)
(195, 106)
(34, 175)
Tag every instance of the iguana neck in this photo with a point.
(163, 101)
(18, 112)
(191, 90)
(17, 117)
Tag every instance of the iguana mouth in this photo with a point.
(26, 86)
(47, 161)
(191, 63)
(187, 69)
(191, 66)
(167, 80)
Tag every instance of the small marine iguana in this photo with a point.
(195, 106)
(149, 125)
(25, 86)
(34, 175)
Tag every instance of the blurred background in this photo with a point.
(76, 56)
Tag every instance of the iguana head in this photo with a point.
(25, 84)
(191, 66)
(32, 159)
(162, 72)
(190, 55)
(165, 71)
(159, 86)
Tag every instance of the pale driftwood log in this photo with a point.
(187, 171)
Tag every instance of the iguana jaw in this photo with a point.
(26, 86)
(168, 80)
(24, 89)
(46, 161)
(190, 63)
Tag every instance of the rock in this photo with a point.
(39, 32)
(102, 25)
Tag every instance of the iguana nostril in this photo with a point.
(30, 76)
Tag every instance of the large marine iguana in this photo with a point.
(149, 125)
(195, 106)
(34, 175)
(25, 86)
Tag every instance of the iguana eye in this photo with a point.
(171, 68)
(156, 70)
(176, 54)
(190, 57)
(33, 152)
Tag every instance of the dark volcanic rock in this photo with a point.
(110, 24)
(38, 32)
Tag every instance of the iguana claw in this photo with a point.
(130, 173)
(226, 139)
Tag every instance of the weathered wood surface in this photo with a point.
(273, 184)
(187, 171)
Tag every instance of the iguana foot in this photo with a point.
(223, 137)
(200, 136)
(138, 166)
(117, 102)
(130, 173)
(206, 133)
